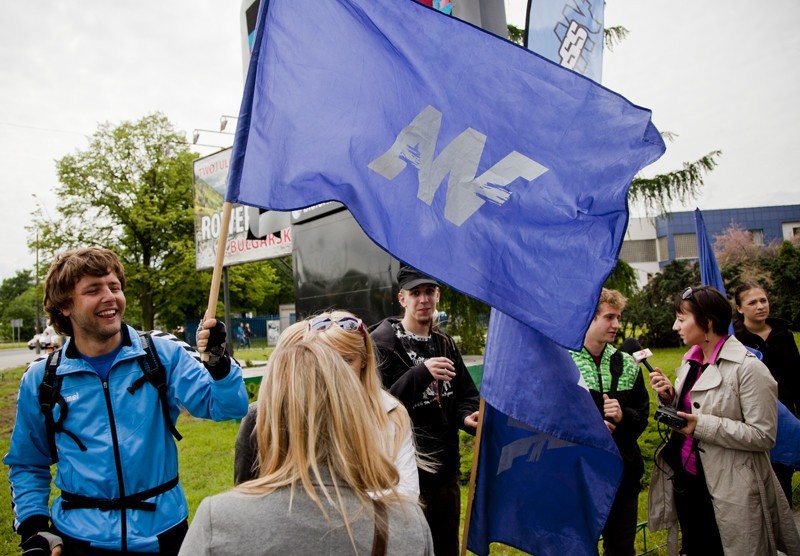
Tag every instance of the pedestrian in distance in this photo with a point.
(247, 334)
(240, 337)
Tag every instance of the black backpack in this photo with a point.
(50, 392)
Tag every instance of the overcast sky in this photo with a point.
(719, 74)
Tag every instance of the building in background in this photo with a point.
(652, 243)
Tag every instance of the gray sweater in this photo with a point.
(243, 524)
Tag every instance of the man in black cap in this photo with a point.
(422, 367)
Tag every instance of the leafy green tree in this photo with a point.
(14, 286)
(23, 306)
(255, 287)
(11, 289)
(785, 289)
(130, 191)
(649, 314)
(467, 320)
(283, 292)
(622, 279)
(516, 35)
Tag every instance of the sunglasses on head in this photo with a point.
(348, 324)
(688, 293)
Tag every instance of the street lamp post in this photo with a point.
(38, 319)
(196, 133)
(223, 121)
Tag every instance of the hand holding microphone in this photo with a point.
(658, 381)
(632, 347)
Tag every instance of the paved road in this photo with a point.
(12, 358)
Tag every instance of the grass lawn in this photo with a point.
(13, 345)
(206, 454)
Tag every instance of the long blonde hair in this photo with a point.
(312, 414)
(349, 345)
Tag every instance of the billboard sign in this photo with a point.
(253, 234)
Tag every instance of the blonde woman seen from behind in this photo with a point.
(316, 438)
(346, 334)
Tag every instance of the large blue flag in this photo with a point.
(548, 468)
(494, 170)
(573, 459)
(787, 439)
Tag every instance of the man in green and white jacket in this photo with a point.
(617, 387)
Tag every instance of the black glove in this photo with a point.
(218, 364)
(40, 544)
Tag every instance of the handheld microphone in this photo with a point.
(632, 347)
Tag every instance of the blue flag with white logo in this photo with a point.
(548, 467)
(572, 458)
(787, 439)
(492, 169)
(569, 32)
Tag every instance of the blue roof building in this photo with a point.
(652, 243)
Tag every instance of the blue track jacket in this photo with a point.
(129, 447)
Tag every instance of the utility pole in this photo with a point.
(38, 320)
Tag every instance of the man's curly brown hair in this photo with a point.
(68, 268)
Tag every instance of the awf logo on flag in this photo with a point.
(466, 193)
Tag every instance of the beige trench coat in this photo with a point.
(736, 404)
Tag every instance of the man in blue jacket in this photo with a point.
(108, 426)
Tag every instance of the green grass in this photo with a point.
(9, 384)
(13, 345)
(246, 356)
(206, 456)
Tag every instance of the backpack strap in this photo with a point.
(380, 537)
(153, 371)
(49, 396)
(72, 501)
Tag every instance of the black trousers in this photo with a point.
(442, 509)
(619, 533)
(169, 543)
(696, 515)
(784, 474)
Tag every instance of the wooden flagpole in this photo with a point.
(476, 452)
(213, 295)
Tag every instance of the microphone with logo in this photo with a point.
(664, 414)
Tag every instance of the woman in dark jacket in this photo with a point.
(774, 339)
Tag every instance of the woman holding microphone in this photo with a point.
(713, 477)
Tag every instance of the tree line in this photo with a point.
(775, 266)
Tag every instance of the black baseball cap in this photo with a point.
(409, 278)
